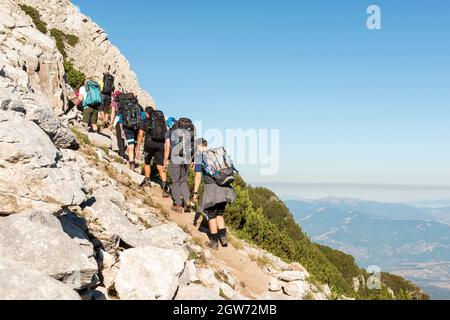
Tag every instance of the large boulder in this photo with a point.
(30, 177)
(297, 289)
(196, 292)
(290, 276)
(38, 241)
(20, 282)
(106, 210)
(165, 236)
(149, 273)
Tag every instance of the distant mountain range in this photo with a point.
(411, 241)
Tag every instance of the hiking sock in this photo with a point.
(223, 237)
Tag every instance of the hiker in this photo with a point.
(154, 128)
(91, 99)
(130, 116)
(114, 123)
(179, 146)
(217, 171)
(107, 91)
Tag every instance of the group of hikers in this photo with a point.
(171, 146)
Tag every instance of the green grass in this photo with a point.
(82, 138)
(35, 16)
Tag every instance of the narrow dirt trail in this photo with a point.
(251, 280)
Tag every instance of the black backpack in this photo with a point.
(157, 127)
(108, 84)
(182, 139)
(131, 111)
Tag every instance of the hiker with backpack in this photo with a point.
(180, 149)
(107, 92)
(154, 129)
(91, 99)
(217, 170)
(114, 123)
(130, 116)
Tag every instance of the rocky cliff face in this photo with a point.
(74, 223)
(94, 54)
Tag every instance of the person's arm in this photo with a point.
(197, 182)
(138, 145)
(113, 117)
(166, 152)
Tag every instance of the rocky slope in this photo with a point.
(73, 222)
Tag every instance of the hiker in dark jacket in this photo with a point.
(130, 134)
(179, 147)
(151, 127)
(215, 198)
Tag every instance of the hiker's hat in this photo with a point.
(149, 109)
(171, 121)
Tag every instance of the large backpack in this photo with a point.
(108, 84)
(131, 111)
(182, 140)
(157, 127)
(93, 96)
(218, 165)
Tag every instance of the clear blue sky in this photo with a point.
(353, 105)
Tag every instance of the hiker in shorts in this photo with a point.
(215, 197)
(179, 147)
(154, 128)
(90, 97)
(107, 85)
(130, 117)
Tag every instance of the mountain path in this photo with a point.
(251, 280)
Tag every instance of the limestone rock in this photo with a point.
(20, 282)
(45, 248)
(197, 292)
(208, 278)
(30, 177)
(149, 273)
(111, 217)
(273, 296)
(94, 54)
(297, 289)
(289, 276)
(274, 285)
(165, 236)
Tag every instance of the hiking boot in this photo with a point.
(177, 208)
(165, 190)
(190, 207)
(165, 195)
(213, 244)
(133, 165)
(146, 183)
(223, 238)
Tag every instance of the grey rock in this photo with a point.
(297, 289)
(197, 292)
(20, 282)
(149, 273)
(111, 217)
(289, 276)
(165, 236)
(61, 136)
(30, 177)
(274, 285)
(45, 248)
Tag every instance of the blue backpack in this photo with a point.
(93, 95)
